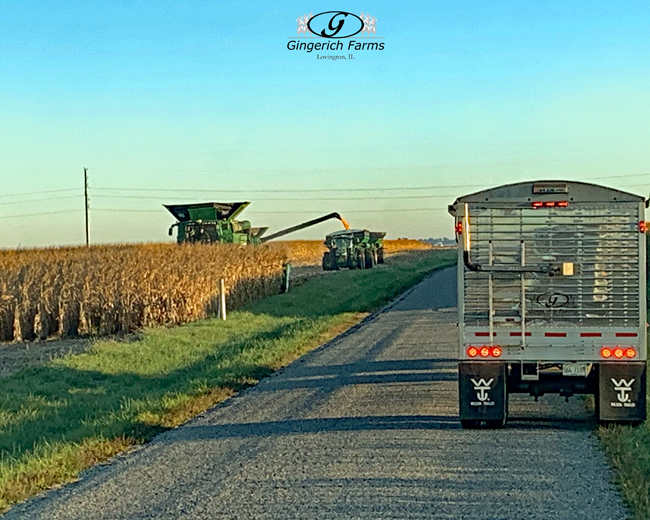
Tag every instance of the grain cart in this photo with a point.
(354, 249)
(211, 222)
(552, 298)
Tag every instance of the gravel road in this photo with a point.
(365, 427)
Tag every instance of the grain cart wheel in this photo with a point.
(352, 260)
(369, 259)
(380, 255)
(359, 260)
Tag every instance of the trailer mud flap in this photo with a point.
(482, 391)
(622, 388)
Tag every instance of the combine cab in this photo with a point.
(354, 249)
(214, 222)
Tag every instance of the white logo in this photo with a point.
(623, 388)
(369, 24)
(302, 25)
(482, 388)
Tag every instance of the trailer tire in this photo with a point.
(380, 255)
(470, 424)
(361, 260)
(369, 259)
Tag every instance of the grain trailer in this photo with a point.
(552, 298)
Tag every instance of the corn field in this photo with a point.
(120, 288)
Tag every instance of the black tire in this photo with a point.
(352, 262)
(361, 260)
(327, 266)
(380, 255)
(369, 259)
(470, 424)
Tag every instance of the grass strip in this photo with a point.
(62, 417)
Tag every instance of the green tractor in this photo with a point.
(354, 249)
(211, 222)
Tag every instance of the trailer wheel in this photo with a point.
(470, 424)
(369, 259)
(380, 255)
(361, 260)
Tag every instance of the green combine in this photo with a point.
(354, 249)
(214, 222)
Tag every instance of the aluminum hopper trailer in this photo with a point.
(552, 298)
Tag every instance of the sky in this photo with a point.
(172, 102)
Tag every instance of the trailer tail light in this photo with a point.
(550, 204)
(643, 227)
(459, 228)
(618, 352)
(484, 351)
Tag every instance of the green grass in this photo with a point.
(59, 418)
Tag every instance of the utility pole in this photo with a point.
(86, 197)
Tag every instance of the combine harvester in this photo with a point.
(551, 298)
(214, 222)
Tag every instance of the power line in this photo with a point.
(40, 214)
(39, 200)
(285, 199)
(319, 190)
(36, 193)
(278, 212)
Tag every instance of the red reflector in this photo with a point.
(459, 228)
(630, 353)
(549, 204)
(618, 353)
(485, 352)
(484, 334)
(591, 334)
(496, 351)
(537, 204)
(606, 352)
(555, 334)
(519, 333)
(563, 204)
(472, 352)
(626, 334)
(643, 227)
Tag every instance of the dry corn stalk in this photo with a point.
(120, 288)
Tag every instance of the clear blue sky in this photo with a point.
(204, 96)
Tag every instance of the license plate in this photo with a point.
(576, 369)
